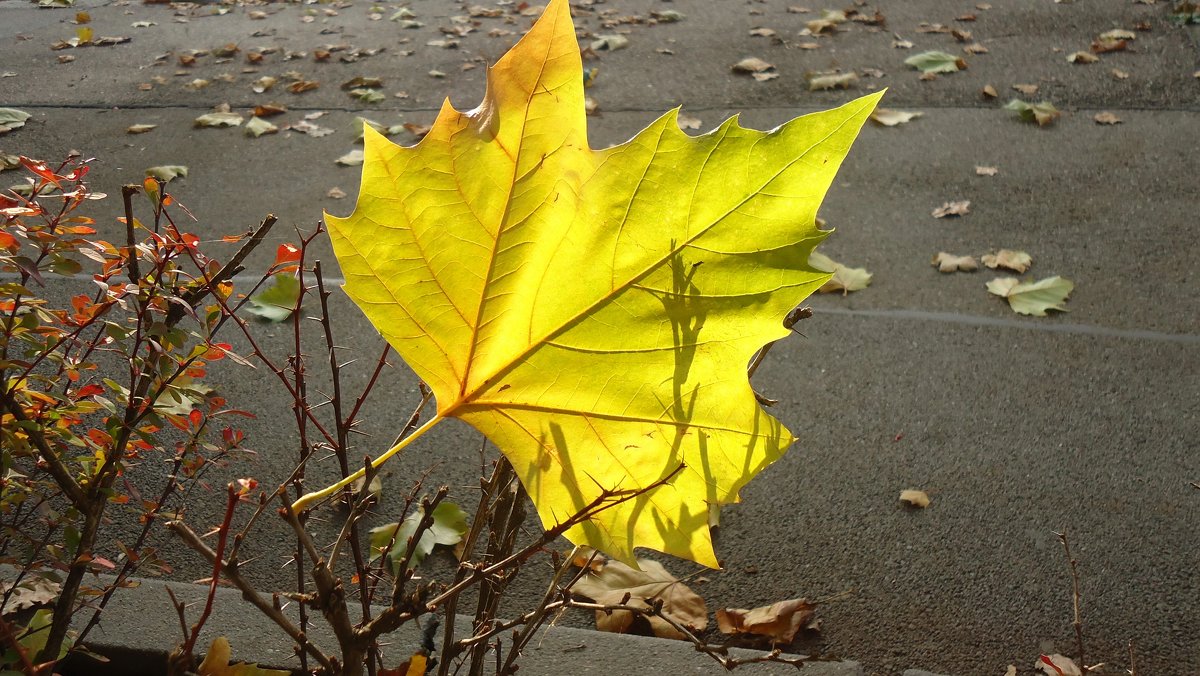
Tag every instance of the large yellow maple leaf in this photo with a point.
(592, 312)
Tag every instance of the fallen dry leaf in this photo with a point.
(986, 171)
(957, 208)
(891, 118)
(32, 591)
(915, 498)
(845, 279)
(779, 621)
(946, 262)
(336, 193)
(352, 158)
(1057, 665)
(1042, 112)
(936, 62)
(1106, 117)
(688, 122)
(1027, 89)
(989, 91)
(1082, 57)
(1033, 298)
(1008, 259)
(616, 580)
(219, 119)
(823, 81)
(752, 65)
(1119, 74)
(139, 128)
(975, 48)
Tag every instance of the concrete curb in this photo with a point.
(140, 627)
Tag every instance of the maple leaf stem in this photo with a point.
(309, 499)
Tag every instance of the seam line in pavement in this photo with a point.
(909, 315)
(657, 111)
(973, 320)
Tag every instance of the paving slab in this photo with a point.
(1017, 427)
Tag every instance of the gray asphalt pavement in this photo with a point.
(1016, 426)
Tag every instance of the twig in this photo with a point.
(231, 501)
(1132, 661)
(250, 594)
(10, 637)
(127, 193)
(1075, 599)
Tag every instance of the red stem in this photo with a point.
(222, 536)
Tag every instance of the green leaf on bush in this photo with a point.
(11, 118)
(278, 301)
(449, 526)
(936, 62)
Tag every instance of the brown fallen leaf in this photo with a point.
(1008, 259)
(1106, 117)
(1105, 45)
(946, 262)
(269, 110)
(1082, 57)
(986, 171)
(780, 622)
(139, 128)
(417, 130)
(617, 581)
(957, 208)
(1028, 89)
(989, 91)
(823, 81)
(752, 65)
(975, 48)
(1119, 74)
(915, 498)
(763, 32)
(336, 193)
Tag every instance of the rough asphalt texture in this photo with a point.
(1017, 427)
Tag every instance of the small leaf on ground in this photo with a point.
(218, 120)
(946, 262)
(278, 301)
(1057, 665)
(1033, 298)
(688, 122)
(1043, 112)
(1008, 259)
(752, 65)
(167, 172)
(11, 118)
(915, 498)
(936, 62)
(779, 622)
(891, 118)
(844, 279)
(257, 127)
(352, 158)
(610, 43)
(1082, 57)
(139, 128)
(1026, 89)
(957, 208)
(986, 171)
(822, 81)
(368, 95)
(615, 580)
(336, 193)
(1105, 117)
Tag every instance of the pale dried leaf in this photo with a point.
(915, 498)
(1057, 665)
(1106, 117)
(986, 171)
(890, 118)
(31, 591)
(822, 81)
(688, 122)
(957, 208)
(1008, 259)
(352, 158)
(845, 279)
(779, 621)
(218, 120)
(1082, 57)
(752, 64)
(946, 262)
(1027, 89)
(139, 128)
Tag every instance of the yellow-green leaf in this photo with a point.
(593, 311)
(1033, 298)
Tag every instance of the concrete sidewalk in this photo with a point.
(1016, 426)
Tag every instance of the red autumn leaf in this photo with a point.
(7, 241)
(195, 418)
(89, 390)
(287, 253)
